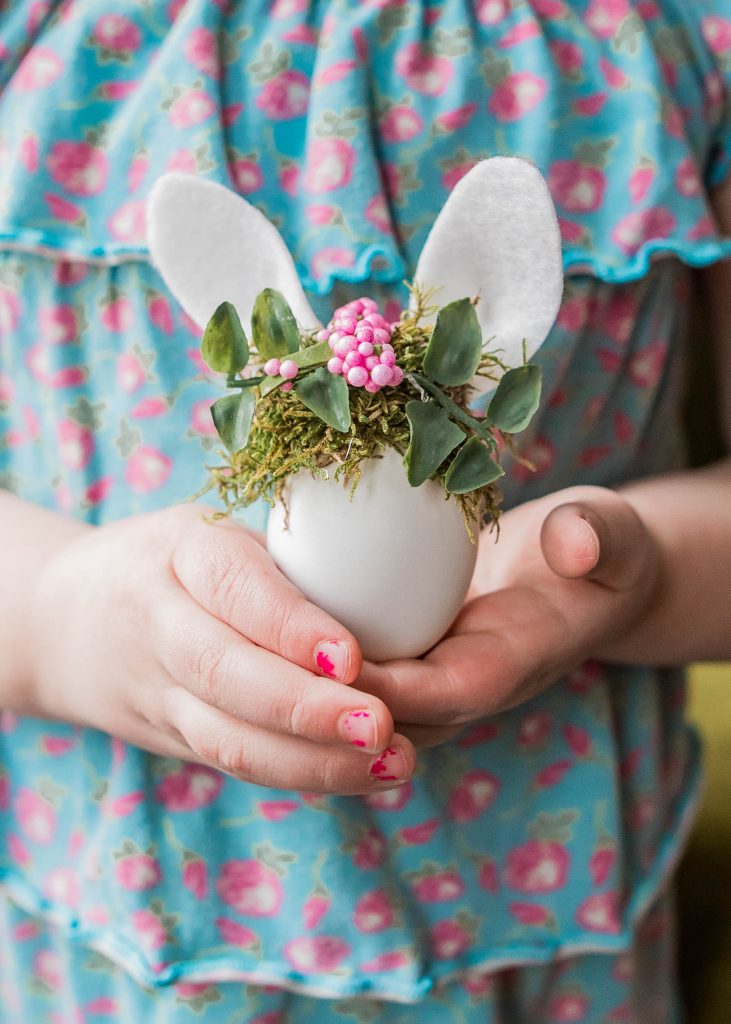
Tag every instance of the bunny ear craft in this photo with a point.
(211, 246)
(497, 236)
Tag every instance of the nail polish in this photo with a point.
(389, 766)
(332, 658)
(359, 728)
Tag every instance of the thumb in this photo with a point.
(601, 539)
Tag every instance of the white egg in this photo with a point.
(393, 565)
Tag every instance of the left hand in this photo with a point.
(570, 576)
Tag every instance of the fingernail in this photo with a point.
(389, 766)
(359, 728)
(333, 659)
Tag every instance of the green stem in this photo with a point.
(250, 382)
(454, 410)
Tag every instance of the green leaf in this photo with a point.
(306, 357)
(433, 437)
(274, 329)
(473, 467)
(454, 350)
(232, 418)
(327, 396)
(224, 346)
(517, 397)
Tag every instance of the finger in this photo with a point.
(232, 576)
(285, 762)
(602, 540)
(227, 671)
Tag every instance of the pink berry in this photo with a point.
(335, 365)
(351, 341)
(364, 333)
(388, 358)
(272, 367)
(369, 305)
(397, 375)
(381, 336)
(323, 335)
(370, 386)
(357, 306)
(377, 320)
(354, 359)
(348, 324)
(365, 348)
(340, 312)
(381, 375)
(288, 369)
(357, 376)
(287, 386)
(371, 361)
(335, 336)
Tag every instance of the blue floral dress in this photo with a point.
(523, 874)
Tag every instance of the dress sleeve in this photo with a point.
(713, 74)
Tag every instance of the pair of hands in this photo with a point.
(181, 637)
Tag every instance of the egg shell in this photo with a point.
(393, 565)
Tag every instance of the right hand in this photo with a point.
(180, 635)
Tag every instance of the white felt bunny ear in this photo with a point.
(497, 236)
(211, 246)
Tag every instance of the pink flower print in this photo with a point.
(62, 886)
(717, 33)
(376, 213)
(123, 805)
(201, 49)
(116, 90)
(127, 223)
(289, 180)
(620, 315)
(456, 173)
(76, 444)
(201, 421)
(613, 75)
(117, 34)
(517, 95)
(189, 788)
(160, 314)
(19, 853)
(472, 796)
(623, 427)
(118, 315)
(487, 876)
(148, 408)
(449, 939)
(588, 106)
(67, 273)
(182, 160)
(251, 888)
(316, 953)
(236, 934)
(329, 165)
(569, 57)
(537, 866)
(633, 230)
(39, 69)
(138, 872)
(687, 180)
(230, 114)
(149, 928)
(320, 214)
(600, 913)
(63, 210)
(370, 851)
(519, 34)
(373, 912)
(604, 17)
(137, 171)
(174, 8)
(534, 730)
(568, 1008)
(492, 12)
(424, 72)
(191, 108)
(549, 8)
(147, 469)
(283, 9)
(247, 176)
(401, 124)
(78, 167)
(276, 810)
(6, 387)
(391, 799)
(195, 878)
(58, 324)
(531, 914)
(391, 961)
(579, 740)
(131, 374)
(441, 887)
(9, 310)
(601, 864)
(640, 181)
(552, 774)
(314, 909)
(331, 259)
(28, 152)
(285, 96)
(414, 835)
(36, 816)
(453, 120)
(646, 366)
(47, 969)
(577, 187)
(335, 73)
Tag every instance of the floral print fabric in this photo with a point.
(544, 832)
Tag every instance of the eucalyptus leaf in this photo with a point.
(433, 437)
(518, 395)
(306, 357)
(473, 467)
(327, 396)
(274, 329)
(224, 346)
(453, 353)
(232, 418)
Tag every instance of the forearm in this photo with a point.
(29, 537)
(689, 619)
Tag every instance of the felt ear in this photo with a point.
(497, 236)
(211, 246)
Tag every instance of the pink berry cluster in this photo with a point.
(286, 368)
(360, 340)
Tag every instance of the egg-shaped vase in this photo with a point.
(393, 563)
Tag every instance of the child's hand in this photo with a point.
(180, 636)
(571, 577)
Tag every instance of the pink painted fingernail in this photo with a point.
(359, 728)
(389, 766)
(333, 659)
